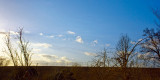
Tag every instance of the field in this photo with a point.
(78, 73)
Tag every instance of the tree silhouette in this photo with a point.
(21, 55)
(125, 51)
(152, 42)
(102, 59)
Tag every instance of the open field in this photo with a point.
(78, 73)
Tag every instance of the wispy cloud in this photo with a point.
(107, 45)
(50, 56)
(79, 39)
(60, 35)
(95, 41)
(132, 42)
(140, 39)
(51, 36)
(3, 31)
(62, 59)
(41, 34)
(48, 59)
(13, 33)
(34, 50)
(43, 45)
(71, 32)
(90, 54)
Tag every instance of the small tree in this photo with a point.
(102, 59)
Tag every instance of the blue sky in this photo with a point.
(76, 29)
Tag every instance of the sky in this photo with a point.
(75, 30)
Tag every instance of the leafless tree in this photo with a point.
(125, 51)
(21, 55)
(24, 48)
(12, 53)
(125, 54)
(102, 59)
(4, 61)
(152, 43)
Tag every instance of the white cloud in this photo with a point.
(50, 60)
(70, 32)
(90, 54)
(139, 39)
(50, 56)
(50, 36)
(79, 39)
(44, 45)
(13, 33)
(39, 58)
(2, 31)
(60, 35)
(95, 41)
(36, 50)
(41, 34)
(132, 42)
(107, 45)
(62, 60)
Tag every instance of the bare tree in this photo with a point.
(12, 53)
(4, 61)
(152, 42)
(125, 55)
(102, 59)
(21, 55)
(125, 51)
(24, 48)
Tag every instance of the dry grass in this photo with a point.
(82, 73)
